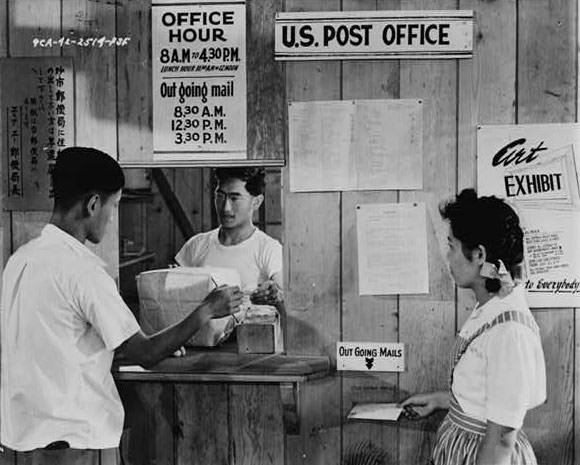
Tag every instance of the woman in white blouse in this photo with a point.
(498, 368)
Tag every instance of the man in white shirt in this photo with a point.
(238, 243)
(62, 320)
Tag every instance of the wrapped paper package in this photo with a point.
(168, 295)
(260, 331)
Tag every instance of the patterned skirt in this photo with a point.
(459, 436)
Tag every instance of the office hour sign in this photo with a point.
(199, 80)
(340, 35)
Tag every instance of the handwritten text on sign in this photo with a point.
(199, 81)
(342, 35)
(38, 121)
(370, 356)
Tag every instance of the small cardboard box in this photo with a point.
(260, 332)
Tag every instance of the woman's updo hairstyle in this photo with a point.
(490, 222)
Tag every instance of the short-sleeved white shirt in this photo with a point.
(502, 374)
(61, 317)
(257, 259)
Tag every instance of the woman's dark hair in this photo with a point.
(80, 171)
(253, 177)
(490, 222)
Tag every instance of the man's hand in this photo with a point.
(148, 350)
(267, 293)
(223, 301)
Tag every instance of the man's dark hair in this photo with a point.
(81, 171)
(490, 222)
(253, 177)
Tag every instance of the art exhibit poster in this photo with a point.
(535, 168)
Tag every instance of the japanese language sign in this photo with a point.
(38, 121)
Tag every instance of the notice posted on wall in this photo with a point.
(370, 356)
(199, 80)
(355, 145)
(552, 257)
(535, 168)
(38, 121)
(392, 249)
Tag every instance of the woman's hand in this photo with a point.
(497, 445)
(423, 405)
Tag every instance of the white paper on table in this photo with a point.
(376, 411)
(132, 368)
(392, 249)
(355, 145)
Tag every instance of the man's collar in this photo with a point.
(53, 232)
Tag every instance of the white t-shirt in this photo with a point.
(502, 374)
(61, 319)
(256, 259)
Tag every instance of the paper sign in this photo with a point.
(375, 411)
(199, 80)
(347, 35)
(530, 163)
(392, 249)
(552, 257)
(355, 145)
(368, 356)
(550, 178)
(535, 167)
(38, 121)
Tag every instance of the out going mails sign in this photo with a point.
(370, 356)
(366, 35)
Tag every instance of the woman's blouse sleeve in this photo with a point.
(516, 373)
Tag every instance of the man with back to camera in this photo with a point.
(238, 243)
(62, 319)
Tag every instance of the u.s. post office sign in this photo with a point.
(370, 356)
(349, 35)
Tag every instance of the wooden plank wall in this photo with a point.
(367, 318)
(546, 92)
(95, 90)
(524, 70)
(312, 244)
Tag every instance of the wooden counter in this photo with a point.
(214, 407)
(230, 367)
